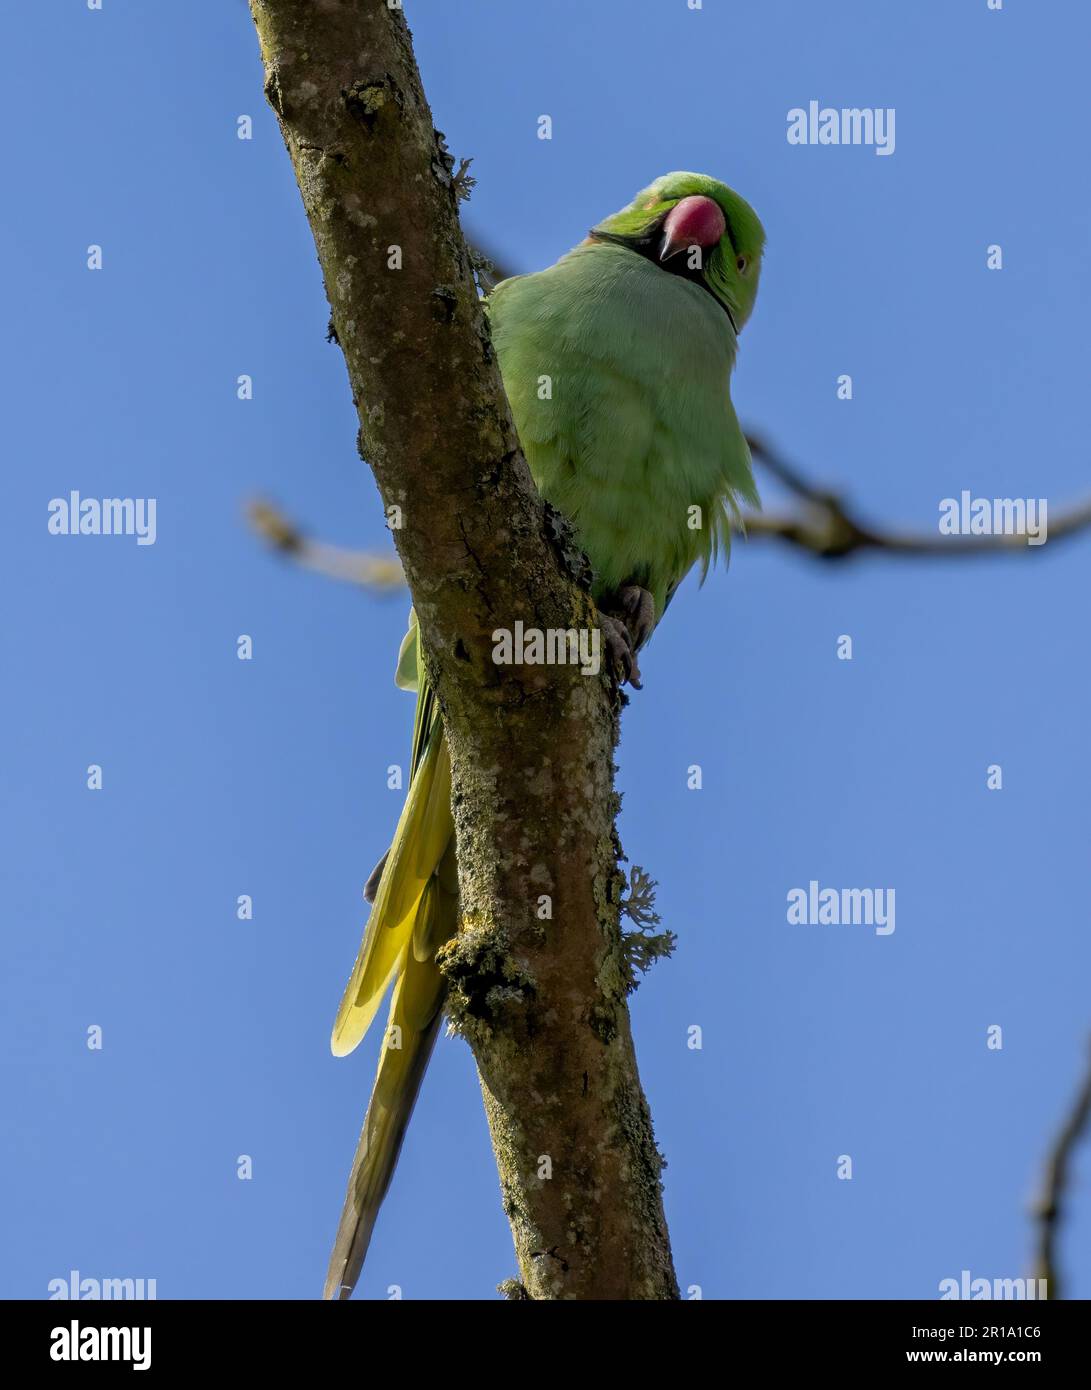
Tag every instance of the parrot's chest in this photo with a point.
(618, 377)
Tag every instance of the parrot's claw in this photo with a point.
(637, 608)
(627, 621)
(620, 651)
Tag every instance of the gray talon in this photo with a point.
(638, 608)
(620, 652)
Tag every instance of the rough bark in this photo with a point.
(542, 1003)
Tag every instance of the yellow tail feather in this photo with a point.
(415, 1015)
(423, 834)
(414, 913)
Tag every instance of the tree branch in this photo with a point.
(542, 1003)
(381, 573)
(1049, 1210)
(828, 528)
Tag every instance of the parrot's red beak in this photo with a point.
(695, 221)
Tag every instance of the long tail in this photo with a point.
(414, 913)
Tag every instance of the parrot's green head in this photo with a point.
(698, 228)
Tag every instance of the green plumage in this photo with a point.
(617, 368)
(629, 435)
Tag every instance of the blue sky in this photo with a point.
(224, 777)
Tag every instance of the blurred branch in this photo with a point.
(381, 573)
(827, 527)
(830, 528)
(1050, 1208)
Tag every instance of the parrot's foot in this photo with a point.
(637, 608)
(628, 617)
(620, 651)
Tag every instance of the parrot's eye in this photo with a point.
(742, 262)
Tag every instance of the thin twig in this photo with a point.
(1049, 1210)
(380, 573)
(831, 529)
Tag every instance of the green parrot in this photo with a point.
(637, 443)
